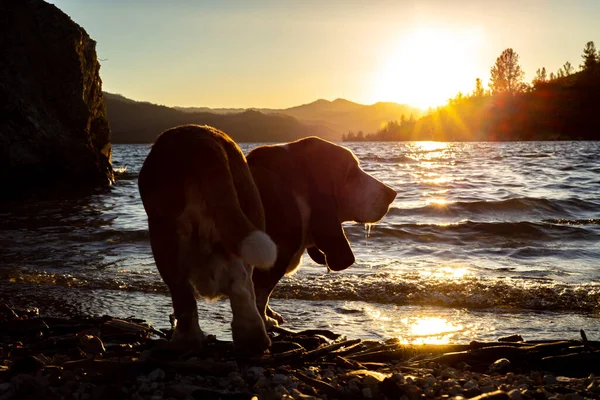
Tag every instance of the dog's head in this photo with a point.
(338, 191)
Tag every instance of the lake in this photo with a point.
(483, 240)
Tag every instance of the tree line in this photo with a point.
(561, 105)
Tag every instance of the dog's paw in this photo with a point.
(270, 323)
(250, 336)
(192, 339)
(275, 315)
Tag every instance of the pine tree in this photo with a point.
(540, 76)
(568, 68)
(506, 74)
(479, 91)
(590, 57)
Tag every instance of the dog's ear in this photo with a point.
(327, 232)
(316, 255)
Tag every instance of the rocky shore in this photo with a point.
(92, 358)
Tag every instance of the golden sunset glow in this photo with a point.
(439, 202)
(431, 146)
(447, 272)
(434, 330)
(428, 66)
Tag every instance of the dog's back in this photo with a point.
(206, 221)
(198, 177)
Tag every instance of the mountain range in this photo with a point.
(140, 122)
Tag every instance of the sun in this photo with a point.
(428, 65)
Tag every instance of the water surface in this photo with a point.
(483, 240)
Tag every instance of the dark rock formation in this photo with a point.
(54, 134)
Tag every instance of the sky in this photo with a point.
(283, 53)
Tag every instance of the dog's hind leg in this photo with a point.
(169, 250)
(248, 328)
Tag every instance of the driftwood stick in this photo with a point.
(355, 348)
(291, 357)
(478, 345)
(380, 356)
(307, 332)
(321, 351)
(323, 387)
(579, 364)
(346, 363)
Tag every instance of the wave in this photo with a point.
(469, 231)
(577, 222)
(535, 155)
(403, 290)
(390, 160)
(114, 236)
(525, 206)
(470, 293)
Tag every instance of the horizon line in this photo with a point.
(271, 108)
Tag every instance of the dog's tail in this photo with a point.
(222, 191)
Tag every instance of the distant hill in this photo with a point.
(141, 122)
(339, 115)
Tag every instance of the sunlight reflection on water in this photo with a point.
(434, 330)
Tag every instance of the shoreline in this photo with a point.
(105, 357)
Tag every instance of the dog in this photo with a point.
(308, 188)
(206, 223)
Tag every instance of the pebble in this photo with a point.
(429, 380)
(281, 391)
(180, 391)
(279, 379)
(237, 380)
(262, 382)
(353, 385)
(573, 396)
(454, 390)
(549, 380)
(449, 373)
(144, 388)
(470, 385)
(297, 395)
(500, 365)
(515, 394)
(487, 389)
(4, 387)
(367, 393)
(536, 377)
(157, 374)
(255, 371)
(370, 380)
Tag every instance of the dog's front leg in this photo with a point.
(264, 283)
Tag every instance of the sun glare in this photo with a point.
(427, 66)
(434, 330)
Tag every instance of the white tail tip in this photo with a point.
(259, 250)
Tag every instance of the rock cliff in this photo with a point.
(54, 134)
